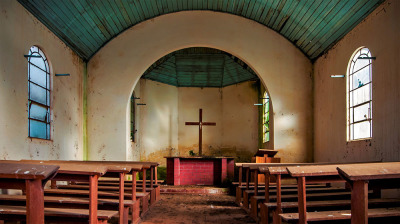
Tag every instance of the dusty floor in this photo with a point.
(195, 208)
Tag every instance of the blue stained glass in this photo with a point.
(37, 129)
(38, 112)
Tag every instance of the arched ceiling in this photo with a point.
(314, 26)
(199, 67)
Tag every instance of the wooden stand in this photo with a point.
(265, 156)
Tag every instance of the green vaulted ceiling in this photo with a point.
(200, 67)
(312, 25)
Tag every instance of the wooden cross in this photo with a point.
(200, 124)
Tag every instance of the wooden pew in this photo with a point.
(253, 170)
(359, 176)
(119, 170)
(279, 173)
(153, 190)
(318, 174)
(79, 172)
(32, 179)
(152, 166)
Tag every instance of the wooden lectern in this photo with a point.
(265, 156)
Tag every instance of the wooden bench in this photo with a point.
(359, 176)
(342, 215)
(117, 170)
(152, 166)
(30, 178)
(293, 217)
(55, 215)
(314, 174)
(80, 172)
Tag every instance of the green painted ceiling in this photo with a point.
(200, 67)
(312, 25)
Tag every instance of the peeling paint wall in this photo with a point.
(19, 31)
(162, 130)
(380, 32)
(279, 64)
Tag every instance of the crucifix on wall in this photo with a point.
(200, 124)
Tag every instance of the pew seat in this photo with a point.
(142, 196)
(56, 215)
(340, 215)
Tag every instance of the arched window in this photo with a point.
(359, 95)
(38, 94)
(133, 117)
(266, 117)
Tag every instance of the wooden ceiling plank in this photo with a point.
(92, 19)
(329, 13)
(287, 10)
(294, 19)
(336, 26)
(102, 12)
(311, 16)
(240, 7)
(51, 26)
(123, 11)
(142, 9)
(260, 8)
(265, 11)
(271, 12)
(137, 11)
(128, 10)
(347, 26)
(322, 30)
(277, 12)
(302, 18)
(250, 9)
(114, 19)
(66, 31)
(86, 24)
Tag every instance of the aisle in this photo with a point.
(189, 208)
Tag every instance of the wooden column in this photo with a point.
(134, 185)
(34, 201)
(121, 197)
(359, 202)
(255, 182)
(93, 187)
(301, 187)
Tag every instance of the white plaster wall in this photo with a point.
(19, 31)
(162, 130)
(280, 65)
(158, 120)
(380, 32)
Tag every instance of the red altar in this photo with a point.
(199, 170)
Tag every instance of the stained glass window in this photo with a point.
(39, 94)
(359, 86)
(266, 117)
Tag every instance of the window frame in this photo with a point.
(133, 117)
(350, 89)
(36, 52)
(266, 128)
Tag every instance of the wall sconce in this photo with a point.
(337, 76)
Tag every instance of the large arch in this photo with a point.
(116, 68)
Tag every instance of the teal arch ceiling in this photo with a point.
(200, 67)
(312, 25)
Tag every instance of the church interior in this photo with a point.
(128, 81)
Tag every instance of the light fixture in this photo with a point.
(337, 76)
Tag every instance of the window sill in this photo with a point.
(40, 139)
(359, 140)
